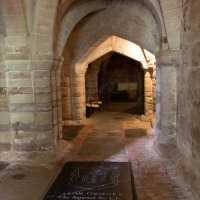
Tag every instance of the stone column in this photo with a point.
(5, 135)
(44, 101)
(30, 102)
(140, 89)
(54, 101)
(25, 103)
(158, 100)
(148, 93)
(24, 115)
(59, 96)
(166, 97)
(78, 93)
(92, 81)
(154, 88)
(66, 93)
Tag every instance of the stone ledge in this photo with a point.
(183, 166)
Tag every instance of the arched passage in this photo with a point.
(112, 44)
(115, 15)
(135, 21)
(39, 32)
(119, 83)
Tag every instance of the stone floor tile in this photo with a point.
(155, 177)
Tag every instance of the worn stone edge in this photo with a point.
(184, 167)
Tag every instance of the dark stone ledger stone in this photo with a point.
(94, 181)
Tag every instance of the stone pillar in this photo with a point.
(92, 81)
(5, 134)
(25, 103)
(29, 102)
(66, 93)
(44, 101)
(158, 100)
(148, 93)
(166, 97)
(59, 97)
(24, 116)
(140, 89)
(78, 93)
(55, 97)
(154, 88)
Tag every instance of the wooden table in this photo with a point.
(91, 106)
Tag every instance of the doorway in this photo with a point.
(119, 82)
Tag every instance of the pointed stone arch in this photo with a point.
(72, 17)
(112, 44)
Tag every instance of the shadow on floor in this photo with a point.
(126, 107)
(3, 165)
(97, 143)
(71, 131)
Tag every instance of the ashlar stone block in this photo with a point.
(4, 136)
(3, 99)
(20, 82)
(43, 117)
(43, 98)
(23, 117)
(4, 117)
(21, 99)
(44, 140)
(16, 66)
(22, 136)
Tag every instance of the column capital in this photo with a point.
(168, 57)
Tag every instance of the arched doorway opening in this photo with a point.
(119, 82)
(112, 44)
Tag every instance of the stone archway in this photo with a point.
(112, 44)
(165, 85)
(117, 80)
(35, 57)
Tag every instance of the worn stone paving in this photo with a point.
(155, 177)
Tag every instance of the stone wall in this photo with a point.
(122, 70)
(188, 85)
(30, 70)
(30, 103)
(179, 131)
(91, 80)
(101, 55)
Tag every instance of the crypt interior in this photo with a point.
(111, 66)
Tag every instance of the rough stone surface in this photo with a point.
(36, 93)
(188, 73)
(155, 177)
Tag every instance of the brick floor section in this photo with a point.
(155, 177)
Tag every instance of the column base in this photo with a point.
(184, 167)
(165, 139)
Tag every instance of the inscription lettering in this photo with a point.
(90, 195)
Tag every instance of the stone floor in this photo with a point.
(155, 177)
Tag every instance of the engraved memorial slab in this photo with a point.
(93, 180)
